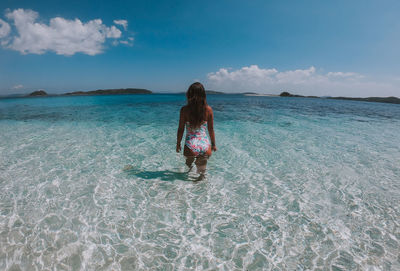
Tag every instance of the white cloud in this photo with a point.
(344, 74)
(17, 87)
(4, 29)
(113, 32)
(301, 81)
(124, 23)
(63, 36)
(128, 42)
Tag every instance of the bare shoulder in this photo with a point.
(209, 112)
(183, 113)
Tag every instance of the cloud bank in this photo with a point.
(301, 81)
(62, 36)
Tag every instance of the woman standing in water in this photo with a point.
(198, 116)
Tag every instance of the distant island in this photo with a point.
(117, 91)
(42, 93)
(111, 91)
(287, 94)
(38, 93)
(392, 100)
(207, 92)
(213, 92)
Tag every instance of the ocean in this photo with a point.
(94, 183)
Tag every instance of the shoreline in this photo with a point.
(137, 91)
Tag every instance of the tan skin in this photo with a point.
(201, 161)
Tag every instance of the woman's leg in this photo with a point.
(189, 161)
(201, 161)
(201, 164)
(189, 156)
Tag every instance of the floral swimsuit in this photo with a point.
(197, 139)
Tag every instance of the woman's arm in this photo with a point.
(181, 128)
(210, 123)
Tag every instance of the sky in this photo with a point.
(325, 48)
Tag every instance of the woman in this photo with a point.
(197, 116)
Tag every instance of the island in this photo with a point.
(112, 91)
(38, 93)
(393, 100)
(213, 92)
(118, 91)
(287, 94)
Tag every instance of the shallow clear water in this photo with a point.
(296, 184)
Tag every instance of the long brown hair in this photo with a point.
(196, 103)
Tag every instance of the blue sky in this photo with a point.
(308, 47)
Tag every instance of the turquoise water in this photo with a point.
(296, 184)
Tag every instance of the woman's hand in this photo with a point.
(214, 148)
(178, 147)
